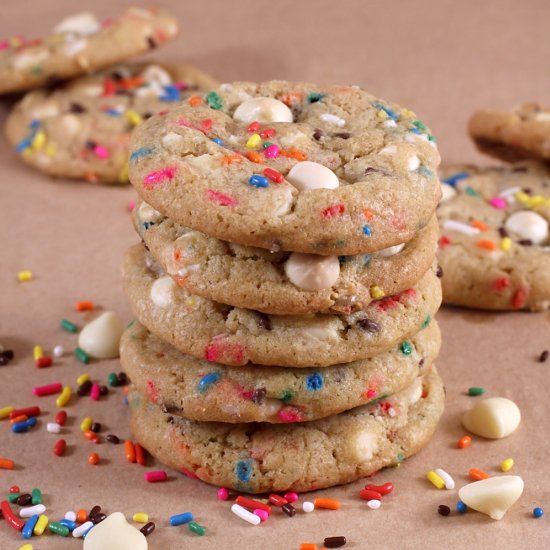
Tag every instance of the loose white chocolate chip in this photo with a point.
(390, 251)
(312, 272)
(101, 338)
(264, 110)
(311, 175)
(447, 192)
(492, 496)
(115, 533)
(162, 290)
(492, 418)
(82, 23)
(527, 225)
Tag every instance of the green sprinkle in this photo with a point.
(470, 191)
(36, 496)
(286, 396)
(400, 457)
(81, 355)
(267, 144)
(431, 138)
(314, 97)
(406, 348)
(419, 124)
(12, 497)
(427, 321)
(58, 529)
(476, 391)
(112, 379)
(68, 326)
(214, 100)
(194, 527)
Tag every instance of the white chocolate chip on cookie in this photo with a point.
(390, 251)
(82, 23)
(527, 225)
(162, 291)
(311, 175)
(262, 109)
(312, 272)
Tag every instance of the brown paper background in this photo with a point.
(442, 59)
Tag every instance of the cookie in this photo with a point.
(82, 129)
(327, 170)
(513, 135)
(81, 44)
(203, 391)
(233, 336)
(494, 247)
(261, 457)
(282, 283)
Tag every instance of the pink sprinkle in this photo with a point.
(221, 198)
(333, 210)
(262, 514)
(101, 152)
(371, 394)
(183, 122)
(94, 392)
(189, 474)
(289, 415)
(154, 178)
(4, 45)
(48, 389)
(272, 152)
(155, 477)
(498, 202)
(236, 353)
(291, 496)
(223, 493)
(131, 206)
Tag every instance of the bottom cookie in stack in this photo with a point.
(262, 457)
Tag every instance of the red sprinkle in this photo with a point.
(60, 417)
(253, 127)
(273, 175)
(140, 454)
(29, 411)
(10, 517)
(59, 447)
(189, 474)
(267, 133)
(250, 503)
(444, 241)
(221, 198)
(519, 298)
(277, 500)
(367, 494)
(333, 210)
(500, 284)
(385, 489)
(43, 362)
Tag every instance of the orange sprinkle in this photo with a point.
(328, 503)
(486, 244)
(480, 225)
(85, 305)
(90, 177)
(81, 516)
(293, 154)
(308, 546)
(291, 98)
(464, 442)
(254, 157)
(181, 281)
(130, 451)
(132, 82)
(93, 459)
(20, 418)
(177, 255)
(6, 464)
(195, 101)
(477, 475)
(369, 214)
(232, 159)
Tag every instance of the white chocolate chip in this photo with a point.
(101, 338)
(527, 225)
(492, 496)
(272, 406)
(203, 162)
(282, 202)
(448, 192)
(492, 418)
(264, 110)
(363, 445)
(74, 45)
(413, 163)
(312, 272)
(84, 23)
(71, 124)
(147, 213)
(45, 110)
(389, 150)
(390, 251)
(312, 175)
(333, 119)
(319, 333)
(171, 139)
(162, 291)
(26, 58)
(115, 533)
(294, 139)
(155, 73)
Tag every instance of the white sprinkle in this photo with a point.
(413, 162)
(391, 412)
(53, 427)
(70, 515)
(453, 225)
(374, 504)
(226, 87)
(308, 506)
(32, 510)
(81, 529)
(243, 513)
(58, 351)
(389, 150)
(412, 138)
(510, 194)
(390, 123)
(449, 481)
(328, 117)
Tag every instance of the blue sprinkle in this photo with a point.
(180, 519)
(126, 400)
(415, 130)
(366, 259)
(141, 152)
(243, 470)
(207, 380)
(28, 528)
(68, 523)
(35, 124)
(367, 230)
(392, 114)
(425, 171)
(538, 512)
(171, 93)
(218, 141)
(112, 112)
(258, 181)
(315, 382)
(147, 225)
(453, 180)
(461, 507)
(25, 143)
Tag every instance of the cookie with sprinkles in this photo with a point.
(282, 283)
(522, 133)
(199, 390)
(234, 336)
(327, 170)
(82, 129)
(306, 456)
(81, 44)
(494, 247)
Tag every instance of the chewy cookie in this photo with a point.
(233, 336)
(81, 44)
(203, 391)
(281, 283)
(521, 133)
(327, 170)
(260, 457)
(82, 129)
(494, 247)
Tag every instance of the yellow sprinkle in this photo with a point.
(507, 465)
(376, 292)
(140, 517)
(82, 378)
(382, 114)
(123, 175)
(505, 243)
(253, 141)
(407, 113)
(28, 152)
(64, 397)
(50, 150)
(5, 411)
(86, 424)
(25, 547)
(37, 352)
(133, 117)
(24, 275)
(15, 41)
(39, 140)
(41, 525)
(435, 479)
(522, 197)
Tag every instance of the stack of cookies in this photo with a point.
(285, 288)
